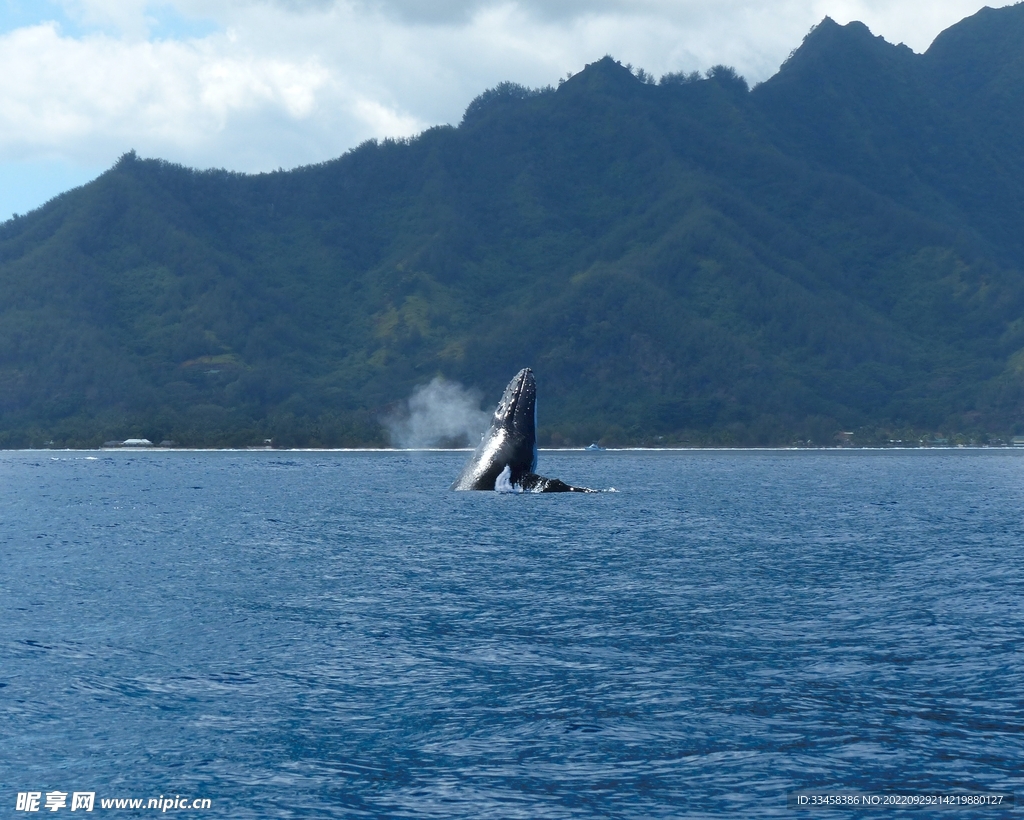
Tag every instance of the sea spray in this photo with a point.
(503, 483)
(439, 414)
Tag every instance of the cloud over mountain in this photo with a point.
(254, 85)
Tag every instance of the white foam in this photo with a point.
(503, 483)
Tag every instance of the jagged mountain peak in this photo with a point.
(606, 75)
(834, 50)
(991, 32)
(981, 54)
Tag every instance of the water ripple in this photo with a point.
(337, 635)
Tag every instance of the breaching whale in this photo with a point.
(509, 448)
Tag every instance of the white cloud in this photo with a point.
(175, 98)
(127, 16)
(274, 83)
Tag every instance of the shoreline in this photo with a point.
(580, 450)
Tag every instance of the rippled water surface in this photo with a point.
(339, 635)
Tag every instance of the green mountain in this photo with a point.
(838, 248)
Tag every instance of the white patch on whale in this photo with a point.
(503, 483)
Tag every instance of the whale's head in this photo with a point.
(511, 440)
(516, 413)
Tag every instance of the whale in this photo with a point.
(507, 454)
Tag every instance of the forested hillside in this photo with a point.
(840, 248)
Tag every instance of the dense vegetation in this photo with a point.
(837, 249)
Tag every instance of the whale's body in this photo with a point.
(511, 442)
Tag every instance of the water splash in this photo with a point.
(503, 483)
(439, 414)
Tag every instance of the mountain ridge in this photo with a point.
(688, 261)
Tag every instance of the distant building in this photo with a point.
(1017, 441)
(136, 442)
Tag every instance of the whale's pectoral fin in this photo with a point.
(533, 483)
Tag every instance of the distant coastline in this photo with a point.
(564, 450)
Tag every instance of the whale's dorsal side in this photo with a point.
(533, 483)
(511, 441)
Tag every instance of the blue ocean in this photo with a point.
(336, 634)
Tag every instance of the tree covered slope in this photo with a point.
(840, 247)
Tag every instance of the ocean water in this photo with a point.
(310, 634)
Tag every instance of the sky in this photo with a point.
(257, 85)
